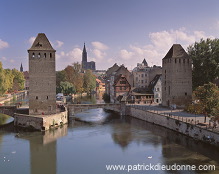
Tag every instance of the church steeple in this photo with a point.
(84, 58)
(21, 68)
(84, 54)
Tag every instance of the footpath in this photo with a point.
(180, 114)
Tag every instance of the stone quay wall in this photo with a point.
(41, 122)
(191, 130)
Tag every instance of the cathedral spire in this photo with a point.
(21, 68)
(84, 58)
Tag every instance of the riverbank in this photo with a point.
(9, 97)
(179, 124)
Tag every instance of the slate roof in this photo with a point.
(176, 51)
(41, 43)
(154, 81)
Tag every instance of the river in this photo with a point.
(99, 138)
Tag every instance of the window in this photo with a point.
(36, 97)
(33, 55)
(44, 55)
(47, 97)
(158, 89)
(124, 88)
(179, 60)
(175, 60)
(142, 81)
(142, 75)
(50, 55)
(122, 82)
(185, 93)
(120, 88)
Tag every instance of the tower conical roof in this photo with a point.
(176, 51)
(41, 43)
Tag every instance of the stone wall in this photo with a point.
(191, 130)
(41, 122)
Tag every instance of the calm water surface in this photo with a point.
(99, 139)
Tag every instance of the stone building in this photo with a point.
(156, 87)
(42, 77)
(143, 74)
(176, 77)
(85, 64)
(112, 74)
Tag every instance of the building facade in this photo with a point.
(156, 87)
(42, 77)
(85, 64)
(143, 74)
(176, 77)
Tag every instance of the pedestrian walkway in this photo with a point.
(179, 114)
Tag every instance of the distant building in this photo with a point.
(85, 64)
(42, 76)
(112, 75)
(143, 74)
(176, 77)
(100, 86)
(26, 82)
(156, 87)
(121, 87)
(21, 68)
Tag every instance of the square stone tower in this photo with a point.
(176, 77)
(42, 75)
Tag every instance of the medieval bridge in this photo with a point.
(72, 109)
(77, 108)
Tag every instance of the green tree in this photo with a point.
(18, 81)
(3, 87)
(67, 88)
(60, 77)
(205, 56)
(89, 81)
(9, 77)
(208, 99)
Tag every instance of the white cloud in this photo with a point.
(58, 44)
(4, 58)
(98, 53)
(161, 42)
(3, 44)
(75, 55)
(31, 40)
(126, 55)
(12, 61)
(99, 45)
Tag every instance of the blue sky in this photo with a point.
(122, 31)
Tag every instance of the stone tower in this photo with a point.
(177, 77)
(42, 75)
(84, 58)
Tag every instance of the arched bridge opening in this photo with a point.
(77, 108)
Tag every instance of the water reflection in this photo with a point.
(98, 139)
(43, 150)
